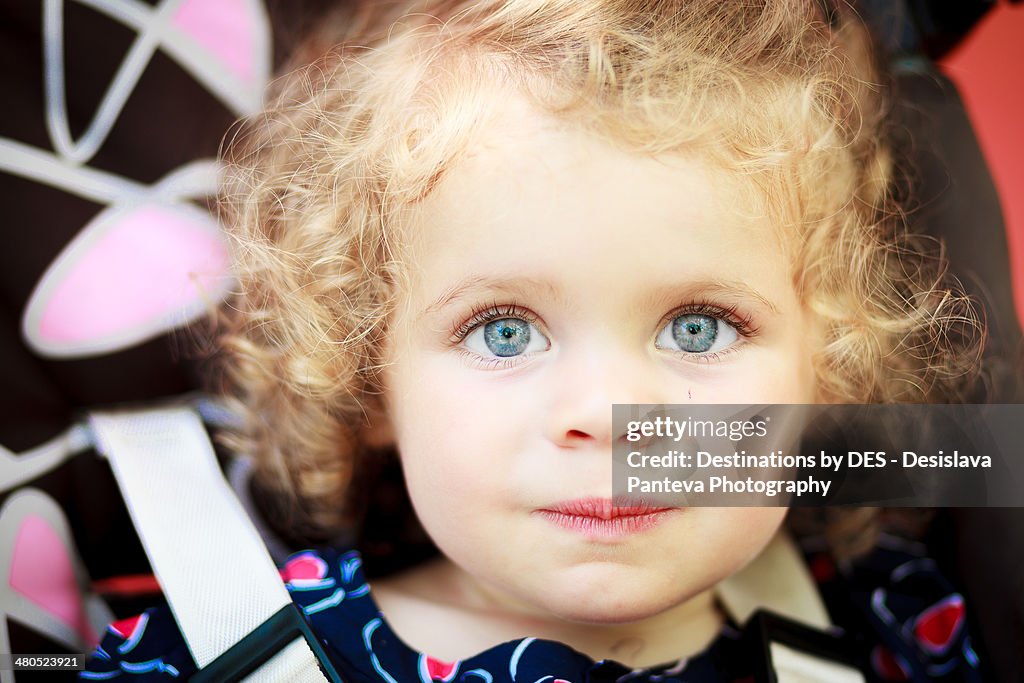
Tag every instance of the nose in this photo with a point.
(584, 388)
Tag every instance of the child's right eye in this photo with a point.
(506, 337)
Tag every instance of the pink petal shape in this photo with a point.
(130, 275)
(305, 567)
(937, 626)
(437, 670)
(224, 27)
(41, 571)
(888, 665)
(126, 627)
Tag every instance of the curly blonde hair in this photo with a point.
(782, 92)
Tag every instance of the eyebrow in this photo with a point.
(732, 288)
(478, 282)
(519, 285)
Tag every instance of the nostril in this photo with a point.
(573, 434)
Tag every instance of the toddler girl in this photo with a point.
(471, 228)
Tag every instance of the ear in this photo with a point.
(377, 431)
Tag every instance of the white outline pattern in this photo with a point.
(30, 502)
(154, 31)
(65, 167)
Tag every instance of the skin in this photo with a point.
(599, 249)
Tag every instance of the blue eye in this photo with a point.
(506, 337)
(696, 333)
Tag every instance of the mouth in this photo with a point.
(605, 518)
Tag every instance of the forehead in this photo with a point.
(548, 198)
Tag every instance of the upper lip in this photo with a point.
(605, 508)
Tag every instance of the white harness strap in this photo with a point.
(217, 576)
(793, 666)
(778, 580)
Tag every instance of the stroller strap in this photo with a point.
(218, 578)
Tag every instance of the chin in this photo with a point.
(607, 610)
(605, 601)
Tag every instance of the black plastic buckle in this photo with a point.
(766, 628)
(265, 641)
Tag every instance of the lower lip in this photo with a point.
(599, 527)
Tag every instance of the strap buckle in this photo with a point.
(786, 651)
(261, 644)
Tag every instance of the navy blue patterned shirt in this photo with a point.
(908, 621)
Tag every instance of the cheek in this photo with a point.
(455, 434)
(440, 402)
(767, 375)
(784, 372)
(428, 408)
(739, 533)
(789, 379)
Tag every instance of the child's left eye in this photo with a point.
(506, 337)
(696, 333)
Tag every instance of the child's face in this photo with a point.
(553, 275)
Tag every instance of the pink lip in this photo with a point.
(601, 517)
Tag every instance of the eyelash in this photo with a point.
(485, 314)
(743, 324)
(481, 316)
